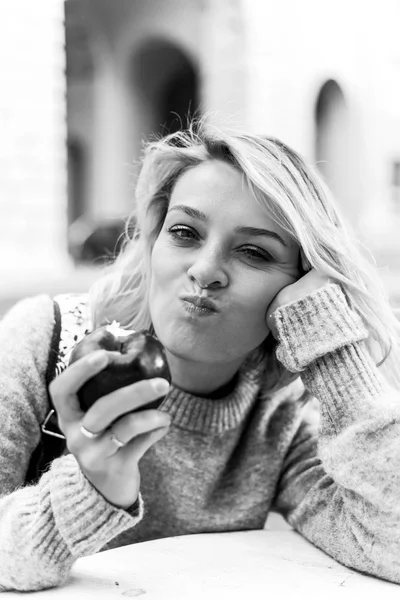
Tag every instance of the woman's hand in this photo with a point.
(111, 468)
(310, 282)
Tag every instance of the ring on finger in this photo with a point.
(116, 441)
(91, 435)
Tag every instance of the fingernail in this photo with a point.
(99, 357)
(161, 386)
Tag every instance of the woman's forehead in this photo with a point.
(214, 176)
(216, 187)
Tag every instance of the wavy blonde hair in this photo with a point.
(299, 202)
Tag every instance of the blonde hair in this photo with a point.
(299, 202)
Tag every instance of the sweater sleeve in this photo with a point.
(44, 528)
(340, 485)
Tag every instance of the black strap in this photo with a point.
(49, 447)
(54, 346)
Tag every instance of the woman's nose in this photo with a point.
(208, 271)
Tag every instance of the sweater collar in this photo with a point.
(205, 415)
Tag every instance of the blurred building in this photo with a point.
(324, 77)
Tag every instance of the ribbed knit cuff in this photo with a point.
(83, 517)
(315, 326)
(347, 384)
(322, 337)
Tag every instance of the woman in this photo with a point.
(243, 267)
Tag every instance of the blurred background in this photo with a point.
(84, 82)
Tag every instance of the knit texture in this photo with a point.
(225, 463)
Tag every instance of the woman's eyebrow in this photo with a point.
(256, 231)
(191, 212)
(253, 231)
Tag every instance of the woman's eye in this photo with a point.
(256, 254)
(181, 232)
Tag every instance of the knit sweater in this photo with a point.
(225, 463)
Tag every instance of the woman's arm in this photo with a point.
(341, 488)
(43, 528)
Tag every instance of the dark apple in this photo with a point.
(132, 356)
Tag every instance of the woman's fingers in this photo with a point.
(63, 389)
(135, 424)
(133, 430)
(121, 437)
(109, 408)
(142, 443)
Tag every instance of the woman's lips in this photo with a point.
(199, 306)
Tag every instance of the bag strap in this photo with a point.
(55, 343)
(53, 445)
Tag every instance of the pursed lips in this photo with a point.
(201, 302)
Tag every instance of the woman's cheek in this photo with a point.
(159, 296)
(157, 272)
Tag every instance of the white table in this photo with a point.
(264, 564)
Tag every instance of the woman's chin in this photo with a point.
(185, 352)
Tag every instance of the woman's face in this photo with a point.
(217, 263)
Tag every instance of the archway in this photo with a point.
(165, 86)
(332, 142)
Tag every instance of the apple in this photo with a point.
(133, 355)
